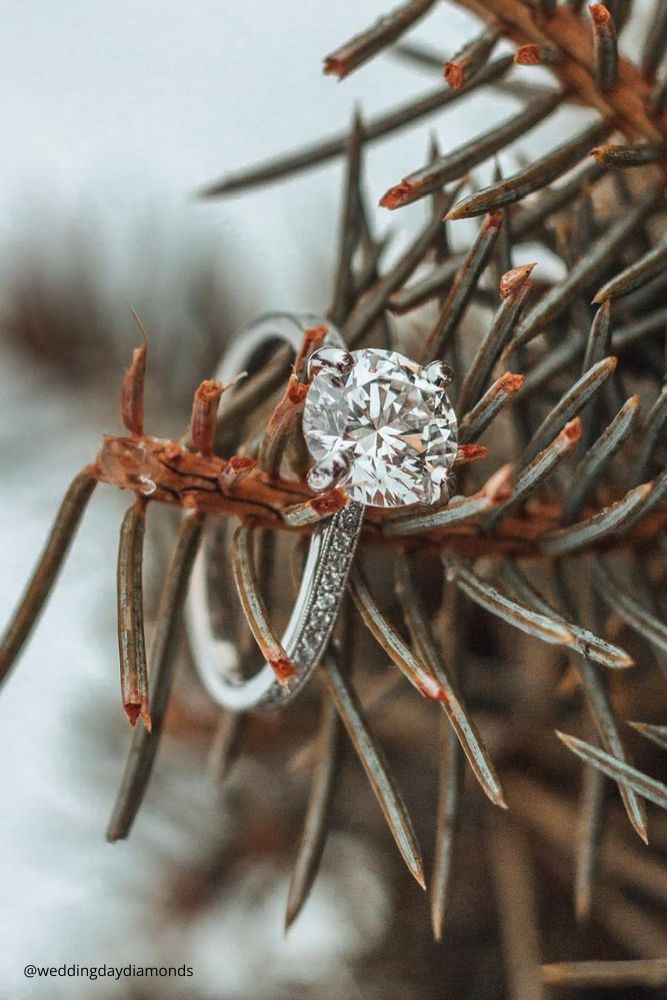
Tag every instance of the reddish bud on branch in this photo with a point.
(204, 415)
(470, 453)
(132, 393)
(514, 279)
(312, 339)
(510, 382)
(236, 469)
(527, 55)
(536, 55)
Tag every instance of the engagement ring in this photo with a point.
(375, 424)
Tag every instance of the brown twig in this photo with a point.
(254, 608)
(145, 743)
(236, 487)
(46, 571)
(565, 32)
(604, 47)
(467, 60)
(362, 47)
(131, 643)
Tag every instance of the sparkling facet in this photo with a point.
(393, 427)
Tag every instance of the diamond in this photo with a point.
(305, 648)
(341, 543)
(321, 619)
(351, 517)
(326, 601)
(387, 423)
(330, 582)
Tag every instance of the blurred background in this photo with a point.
(113, 117)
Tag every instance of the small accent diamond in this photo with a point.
(341, 543)
(325, 601)
(322, 618)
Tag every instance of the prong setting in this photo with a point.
(439, 373)
(333, 360)
(441, 486)
(329, 472)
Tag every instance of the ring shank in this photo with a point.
(330, 555)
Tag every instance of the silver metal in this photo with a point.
(332, 547)
(333, 358)
(444, 488)
(439, 373)
(328, 472)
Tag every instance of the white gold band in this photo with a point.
(330, 555)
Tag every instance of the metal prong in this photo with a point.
(332, 359)
(329, 472)
(442, 485)
(439, 373)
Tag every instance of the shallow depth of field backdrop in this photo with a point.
(112, 116)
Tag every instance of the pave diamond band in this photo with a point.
(332, 546)
(330, 568)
